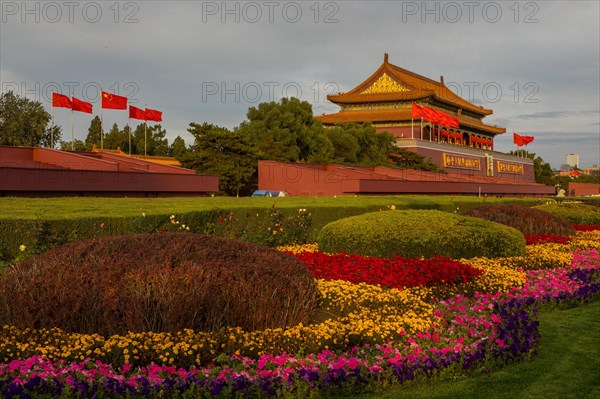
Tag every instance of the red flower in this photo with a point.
(397, 272)
(545, 238)
(584, 227)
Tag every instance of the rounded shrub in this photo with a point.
(420, 233)
(527, 220)
(161, 282)
(574, 212)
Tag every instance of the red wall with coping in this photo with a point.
(46, 172)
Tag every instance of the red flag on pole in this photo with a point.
(153, 115)
(81, 106)
(522, 140)
(434, 116)
(61, 101)
(112, 101)
(136, 113)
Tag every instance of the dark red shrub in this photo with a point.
(528, 221)
(162, 283)
(397, 272)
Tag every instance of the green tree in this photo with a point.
(116, 139)
(405, 159)
(543, 171)
(94, 131)
(286, 131)
(77, 145)
(152, 138)
(361, 144)
(25, 122)
(178, 149)
(216, 150)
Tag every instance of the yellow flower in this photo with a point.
(22, 248)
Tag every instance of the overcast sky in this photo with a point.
(535, 63)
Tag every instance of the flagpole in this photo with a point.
(145, 131)
(72, 131)
(102, 129)
(421, 128)
(129, 130)
(52, 117)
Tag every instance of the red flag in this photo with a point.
(112, 101)
(522, 140)
(61, 101)
(528, 139)
(434, 116)
(136, 113)
(448, 120)
(417, 111)
(153, 115)
(81, 106)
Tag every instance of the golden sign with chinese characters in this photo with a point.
(514, 168)
(455, 161)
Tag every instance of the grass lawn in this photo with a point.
(84, 207)
(567, 366)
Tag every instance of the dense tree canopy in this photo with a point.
(286, 131)
(25, 122)
(217, 150)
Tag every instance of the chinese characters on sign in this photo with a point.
(513, 168)
(455, 161)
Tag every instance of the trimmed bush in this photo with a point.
(574, 212)
(420, 233)
(161, 283)
(529, 221)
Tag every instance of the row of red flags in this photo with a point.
(109, 101)
(443, 119)
(434, 116)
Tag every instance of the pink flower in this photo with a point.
(352, 363)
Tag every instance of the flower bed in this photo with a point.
(397, 272)
(371, 334)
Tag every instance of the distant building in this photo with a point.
(565, 167)
(573, 160)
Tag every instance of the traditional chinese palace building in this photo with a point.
(466, 153)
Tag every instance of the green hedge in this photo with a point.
(574, 212)
(421, 233)
(241, 222)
